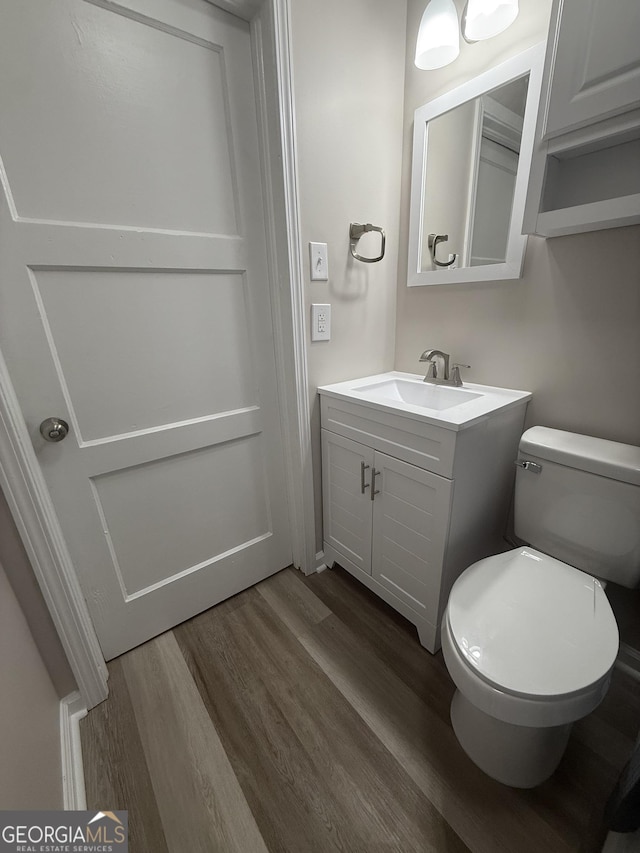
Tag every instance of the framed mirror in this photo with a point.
(471, 158)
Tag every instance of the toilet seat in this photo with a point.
(529, 639)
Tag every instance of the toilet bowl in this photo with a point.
(530, 644)
(528, 636)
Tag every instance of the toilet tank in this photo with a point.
(582, 504)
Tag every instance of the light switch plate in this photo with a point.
(321, 322)
(319, 261)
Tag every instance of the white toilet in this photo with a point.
(530, 641)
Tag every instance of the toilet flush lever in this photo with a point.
(528, 465)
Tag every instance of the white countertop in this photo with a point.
(384, 392)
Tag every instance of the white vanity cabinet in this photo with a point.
(399, 536)
(408, 504)
(585, 173)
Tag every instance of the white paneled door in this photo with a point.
(134, 300)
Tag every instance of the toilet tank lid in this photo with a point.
(597, 455)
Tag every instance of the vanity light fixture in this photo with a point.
(438, 36)
(483, 19)
(438, 41)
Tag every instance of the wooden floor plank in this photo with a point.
(115, 769)
(297, 605)
(387, 634)
(573, 799)
(361, 770)
(575, 796)
(424, 745)
(198, 795)
(355, 786)
(303, 715)
(608, 742)
(488, 817)
(275, 776)
(620, 706)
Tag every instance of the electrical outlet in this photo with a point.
(319, 261)
(321, 322)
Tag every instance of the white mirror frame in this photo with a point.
(529, 61)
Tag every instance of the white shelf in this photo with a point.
(611, 213)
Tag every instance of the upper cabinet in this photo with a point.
(585, 170)
(596, 63)
(585, 173)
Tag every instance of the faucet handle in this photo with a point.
(455, 374)
(431, 371)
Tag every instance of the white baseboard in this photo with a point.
(72, 710)
(320, 563)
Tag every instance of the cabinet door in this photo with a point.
(346, 498)
(596, 70)
(410, 528)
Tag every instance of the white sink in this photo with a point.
(444, 405)
(423, 394)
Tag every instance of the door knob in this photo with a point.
(54, 429)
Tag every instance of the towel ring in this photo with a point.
(355, 233)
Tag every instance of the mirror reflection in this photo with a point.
(469, 181)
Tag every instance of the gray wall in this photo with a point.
(25, 587)
(348, 62)
(569, 330)
(30, 770)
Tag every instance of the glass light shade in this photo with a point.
(483, 19)
(438, 41)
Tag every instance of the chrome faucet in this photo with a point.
(438, 370)
(433, 371)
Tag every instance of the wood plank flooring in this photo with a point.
(303, 715)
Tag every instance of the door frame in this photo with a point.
(21, 478)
